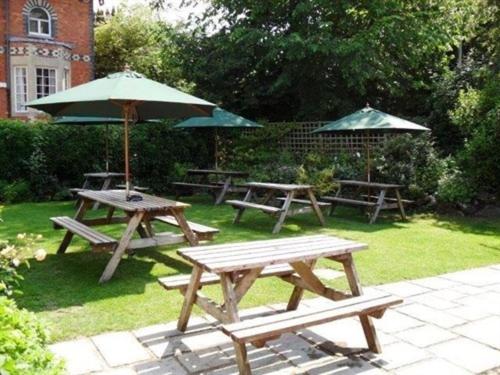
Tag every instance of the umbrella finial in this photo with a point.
(368, 105)
(126, 68)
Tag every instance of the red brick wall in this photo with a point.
(3, 91)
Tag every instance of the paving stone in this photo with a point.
(496, 267)
(468, 313)
(488, 302)
(468, 354)
(475, 277)
(431, 301)
(163, 347)
(425, 335)
(256, 312)
(169, 366)
(397, 355)
(453, 294)
(120, 348)
(494, 288)
(429, 315)
(296, 350)
(117, 371)
(337, 365)
(204, 360)
(206, 340)
(258, 357)
(81, 356)
(432, 366)
(465, 290)
(276, 368)
(403, 289)
(486, 331)
(435, 282)
(319, 302)
(393, 321)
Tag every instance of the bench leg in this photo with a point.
(284, 212)
(400, 205)
(82, 209)
(366, 321)
(378, 207)
(222, 194)
(297, 293)
(242, 359)
(105, 186)
(110, 269)
(314, 204)
(189, 298)
(239, 214)
(191, 237)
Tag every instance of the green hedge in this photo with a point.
(39, 160)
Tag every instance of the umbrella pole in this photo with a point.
(107, 148)
(126, 110)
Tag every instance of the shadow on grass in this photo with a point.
(474, 225)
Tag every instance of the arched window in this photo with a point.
(39, 22)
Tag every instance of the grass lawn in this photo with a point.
(64, 290)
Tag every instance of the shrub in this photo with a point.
(17, 191)
(453, 186)
(23, 343)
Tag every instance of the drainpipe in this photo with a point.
(6, 10)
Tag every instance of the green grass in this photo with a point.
(64, 291)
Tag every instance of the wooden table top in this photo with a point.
(218, 172)
(369, 184)
(116, 198)
(255, 254)
(104, 174)
(275, 186)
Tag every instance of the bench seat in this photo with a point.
(205, 233)
(375, 197)
(353, 202)
(305, 201)
(243, 204)
(195, 185)
(99, 241)
(182, 281)
(260, 329)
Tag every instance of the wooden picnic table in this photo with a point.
(200, 179)
(371, 195)
(237, 266)
(138, 217)
(291, 193)
(107, 181)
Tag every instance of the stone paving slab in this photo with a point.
(448, 324)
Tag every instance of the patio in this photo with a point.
(448, 324)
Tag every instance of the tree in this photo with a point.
(317, 59)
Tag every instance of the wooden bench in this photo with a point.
(204, 233)
(305, 201)
(242, 204)
(182, 281)
(259, 330)
(394, 200)
(354, 202)
(141, 189)
(97, 240)
(196, 185)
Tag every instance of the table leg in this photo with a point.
(284, 212)
(230, 303)
(268, 196)
(82, 209)
(314, 204)
(297, 293)
(105, 186)
(332, 207)
(225, 188)
(111, 212)
(189, 298)
(400, 205)
(366, 321)
(185, 228)
(378, 207)
(239, 214)
(133, 223)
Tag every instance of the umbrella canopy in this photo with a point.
(219, 119)
(369, 119)
(128, 95)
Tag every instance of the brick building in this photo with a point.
(45, 46)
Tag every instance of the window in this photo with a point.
(21, 87)
(39, 22)
(66, 80)
(45, 82)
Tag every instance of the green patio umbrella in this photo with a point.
(369, 119)
(128, 95)
(220, 119)
(106, 121)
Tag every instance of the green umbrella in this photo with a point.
(128, 95)
(219, 119)
(368, 119)
(106, 121)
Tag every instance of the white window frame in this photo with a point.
(66, 79)
(39, 22)
(36, 80)
(26, 89)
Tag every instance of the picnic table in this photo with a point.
(288, 202)
(138, 216)
(237, 266)
(200, 179)
(106, 180)
(371, 195)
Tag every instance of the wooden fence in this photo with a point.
(300, 139)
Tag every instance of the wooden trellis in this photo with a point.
(300, 139)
